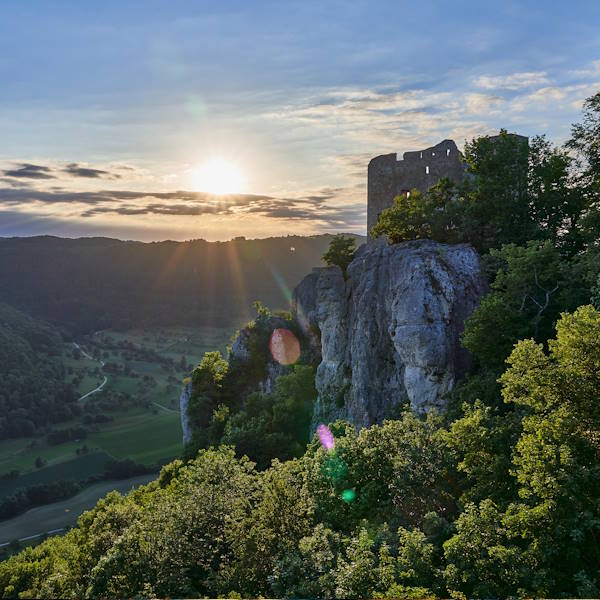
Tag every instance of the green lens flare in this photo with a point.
(348, 495)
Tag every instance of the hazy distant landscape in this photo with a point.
(86, 285)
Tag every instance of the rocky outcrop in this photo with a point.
(251, 365)
(242, 352)
(389, 333)
(184, 400)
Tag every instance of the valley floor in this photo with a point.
(53, 518)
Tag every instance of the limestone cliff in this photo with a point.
(389, 332)
(184, 400)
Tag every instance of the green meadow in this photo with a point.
(140, 404)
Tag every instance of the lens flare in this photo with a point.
(348, 495)
(325, 437)
(284, 346)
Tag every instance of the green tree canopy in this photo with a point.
(340, 252)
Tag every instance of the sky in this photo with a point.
(130, 119)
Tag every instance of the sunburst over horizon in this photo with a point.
(218, 176)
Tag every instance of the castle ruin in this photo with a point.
(389, 177)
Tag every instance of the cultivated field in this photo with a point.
(138, 405)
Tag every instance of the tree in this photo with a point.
(557, 203)
(406, 219)
(556, 459)
(497, 211)
(207, 379)
(355, 573)
(340, 252)
(585, 141)
(531, 287)
(596, 294)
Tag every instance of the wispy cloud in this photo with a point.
(315, 207)
(480, 103)
(512, 81)
(37, 171)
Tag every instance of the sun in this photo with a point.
(218, 176)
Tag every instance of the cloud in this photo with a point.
(37, 171)
(313, 207)
(480, 103)
(30, 171)
(592, 71)
(513, 82)
(78, 170)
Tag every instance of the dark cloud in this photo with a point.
(30, 171)
(77, 170)
(185, 203)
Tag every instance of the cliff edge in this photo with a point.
(389, 332)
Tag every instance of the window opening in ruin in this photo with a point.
(421, 155)
(427, 169)
(447, 151)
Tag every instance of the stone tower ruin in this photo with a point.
(389, 176)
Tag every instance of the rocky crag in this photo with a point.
(388, 333)
(384, 335)
(252, 367)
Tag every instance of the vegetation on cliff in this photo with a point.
(484, 506)
(250, 401)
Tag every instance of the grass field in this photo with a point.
(145, 370)
(73, 470)
(63, 514)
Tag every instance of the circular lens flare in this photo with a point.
(326, 437)
(348, 495)
(284, 346)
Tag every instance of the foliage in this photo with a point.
(340, 252)
(416, 215)
(207, 381)
(229, 403)
(33, 393)
(215, 526)
(596, 294)
(545, 541)
(584, 141)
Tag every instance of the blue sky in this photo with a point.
(116, 106)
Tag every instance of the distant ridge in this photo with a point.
(86, 284)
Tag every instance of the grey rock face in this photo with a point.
(390, 332)
(184, 400)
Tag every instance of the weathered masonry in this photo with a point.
(389, 177)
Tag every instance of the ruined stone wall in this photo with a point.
(389, 177)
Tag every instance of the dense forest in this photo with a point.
(499, 496)
(33, 393)
(97, 283)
